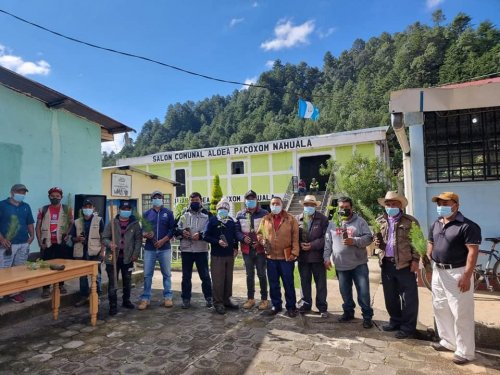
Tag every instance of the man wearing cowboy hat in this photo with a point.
(453, 246)
(399, 262)
(312, 229)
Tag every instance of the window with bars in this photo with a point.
(462, 145)
(237, 167)
(146, 201)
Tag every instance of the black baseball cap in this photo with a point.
(250, 193)
(125, 204)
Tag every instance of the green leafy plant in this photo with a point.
(66, 220)
(182, 203)
(39, 263)
(369, 216)
(145, 224)
(417, 240)
(216, 194)
(12, 228)
(335, 216)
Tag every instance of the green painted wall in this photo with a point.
(261, 184)
(281, 182)
(161, 170)
(343, 153)
(326, 150)
(47, 147)
(239, 185)
(282, 161)
(199, 168)
(366, 149)
(260, 163)
(218, 166)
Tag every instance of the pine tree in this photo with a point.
(216, 194)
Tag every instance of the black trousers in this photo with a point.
(56, 251)
(126, 271)
(401, 296)
(307, 271)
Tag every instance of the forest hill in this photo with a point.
(289, 144)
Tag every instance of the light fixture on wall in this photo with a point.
(475, 120)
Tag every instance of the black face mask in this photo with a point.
(195, 206)
(345, 212)
(54, 201)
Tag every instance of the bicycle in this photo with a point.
(480, 274)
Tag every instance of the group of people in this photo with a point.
(271, 243)
(302, 186)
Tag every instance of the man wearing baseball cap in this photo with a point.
(453, 246)
(14, 244)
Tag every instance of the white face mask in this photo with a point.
(276, 209)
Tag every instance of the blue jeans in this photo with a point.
(164, 257)
(84, 283)
(201, 261)
(360, 277)
(277, 269)
(18, 257)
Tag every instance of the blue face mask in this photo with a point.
(195, 206)
(392, 211)
(125, 213)
(222, 213)
(444, 211)
(309, 210)
(19, 197)
(251, 203)
(276, 209)
(87, 211)
(157, 202)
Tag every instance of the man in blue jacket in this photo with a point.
(158, 234)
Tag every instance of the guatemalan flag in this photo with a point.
(308, 110)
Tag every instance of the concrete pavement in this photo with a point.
(198, 341)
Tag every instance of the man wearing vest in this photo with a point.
(15, 244)
(123, 246)
(86, 234)
(52, 227)
(247, 223)
(158, 248)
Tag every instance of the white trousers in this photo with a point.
(18, 257)
(453, 311)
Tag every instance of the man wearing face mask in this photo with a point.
(346, 243)
(312, 228)
(53, 224)
(220, 233)
(194, 250)
(398, 262)
(247, 223)
(14, 244)
(86, 234)
(126, 246)
(279, 234)
(453, 246)
(158, 248)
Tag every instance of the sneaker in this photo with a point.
(143, 305)
(272, 312)
(220, 310)
(209, 302)
(323, 314)
(231, 306)
(390, 327)
(186, 304)
(459, 360)
(345, 318)
(264, 304)
(62, 289)
(250, 303)
(439, 348)
(367, 323)
(45, 292)
(84, 301)
(291, 313)
(128, 305)
(168, 302)
(18, 298)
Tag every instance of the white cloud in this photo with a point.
(255, 4)
(116, 145)
(324, 34)
(249, 81)
(433, 3)
(269, 63)
(235, 21)
(18, 65)
(287, 35)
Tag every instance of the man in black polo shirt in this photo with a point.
(453, 245)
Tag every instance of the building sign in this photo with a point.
(121, 185)
(233, 198)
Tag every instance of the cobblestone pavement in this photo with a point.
(198, 341)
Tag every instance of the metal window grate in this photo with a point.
(462, 145)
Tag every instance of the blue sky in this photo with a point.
(230, 39)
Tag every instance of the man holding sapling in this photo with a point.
(158, 226)
(399, 261)
(16, 231)
(312, 229)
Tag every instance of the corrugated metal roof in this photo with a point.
(54, 99)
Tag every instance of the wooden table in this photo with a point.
(19, 278)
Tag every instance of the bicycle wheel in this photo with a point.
(478, 277)
(496, 274)
(426, 275)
